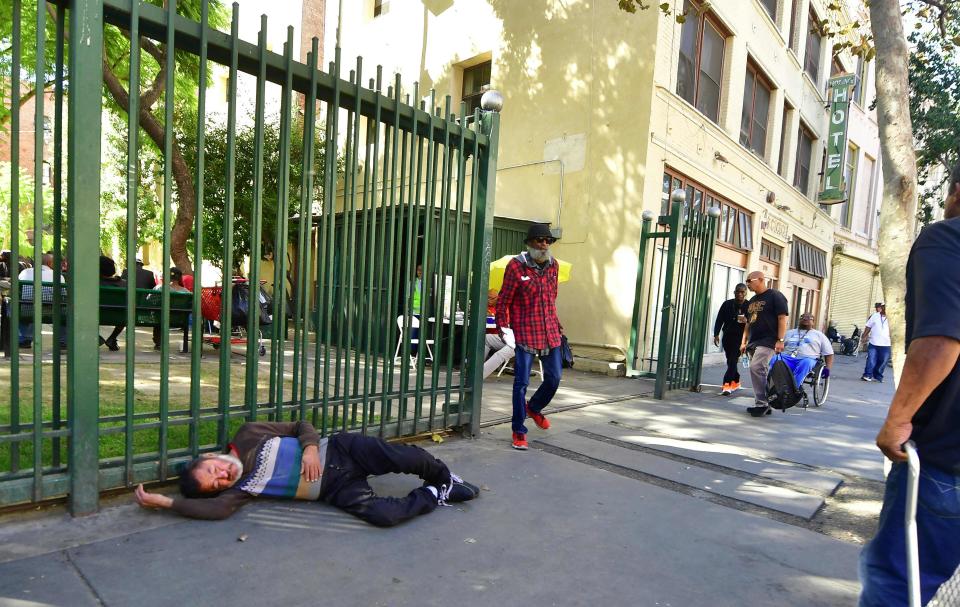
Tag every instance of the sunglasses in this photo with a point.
(543, 240)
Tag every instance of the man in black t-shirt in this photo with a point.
(763, 335)
(731, 318)
(926, 410)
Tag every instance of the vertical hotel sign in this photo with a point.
(834, 186)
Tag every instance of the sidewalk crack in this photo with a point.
(83, 578)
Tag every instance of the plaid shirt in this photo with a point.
(528, 304)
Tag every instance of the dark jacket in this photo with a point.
(727, 321)
(247, 442)
(145, 278)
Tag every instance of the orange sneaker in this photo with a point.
(539, 418)
(734, 386)
(520, 441)
(726, 389)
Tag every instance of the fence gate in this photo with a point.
(356, 190)
(675, 267)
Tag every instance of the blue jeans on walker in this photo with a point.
(877, 358)
(552, 367)
(883, 561)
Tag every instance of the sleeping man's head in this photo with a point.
(210, 474)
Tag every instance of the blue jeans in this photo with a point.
(25, 333)
(877, 359)
(883, 561)
(552, 368)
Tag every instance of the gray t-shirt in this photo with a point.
(806, 343)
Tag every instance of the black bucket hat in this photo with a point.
(540, 230)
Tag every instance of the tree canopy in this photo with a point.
(935, 112)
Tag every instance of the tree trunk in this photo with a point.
(898, 213)
(186, 196)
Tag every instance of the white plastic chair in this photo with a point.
(414, 324)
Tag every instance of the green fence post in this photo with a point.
(483, 206)
(83, 187)
(706, 288)
(637, 303)
(665, 349)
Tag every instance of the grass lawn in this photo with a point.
(146, 403)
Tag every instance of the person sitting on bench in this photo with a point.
(803, 347)
(108, 276)
(289, 460)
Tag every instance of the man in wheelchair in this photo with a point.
(804, 347)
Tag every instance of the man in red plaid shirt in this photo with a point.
(528, 306)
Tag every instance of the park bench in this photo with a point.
(113, 309)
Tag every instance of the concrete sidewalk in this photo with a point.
(551, 527)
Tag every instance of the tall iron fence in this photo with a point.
(672, 297)
(398, 185)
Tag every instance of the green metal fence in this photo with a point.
(672, 301)
(400, 184)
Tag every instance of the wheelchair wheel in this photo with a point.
(821, 386)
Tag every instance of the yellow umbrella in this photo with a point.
(498, 267)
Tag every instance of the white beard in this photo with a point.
(539, 256)
(233, 460)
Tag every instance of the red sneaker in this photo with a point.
(539, 418)
(520, 441)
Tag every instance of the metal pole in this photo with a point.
(83, 187)
(665, 351)
(482, 205)
(638, 291)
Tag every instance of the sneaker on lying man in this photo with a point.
(458, 490)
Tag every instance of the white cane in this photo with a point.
(910, 520)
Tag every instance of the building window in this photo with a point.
(756, 111)
(784, 129)
(771, 8)
(476, 80)
(47, 129)
(811, 61)
(808, 259)
(836, 68)
(850, 177)
(735, 227)
(870, 170)
(700, 67)
(794, 40)
(695, 193)
(860, 90)
(380, 7)
(801, 174)
(770, 251)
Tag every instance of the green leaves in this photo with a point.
(935, 112)
(244, 190)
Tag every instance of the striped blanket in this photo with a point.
(277, 472)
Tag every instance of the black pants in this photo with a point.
(731, 349)
(117, 330)
(351, 458)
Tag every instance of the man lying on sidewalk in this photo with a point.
(289, 460)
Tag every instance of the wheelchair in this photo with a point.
(819, 384)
